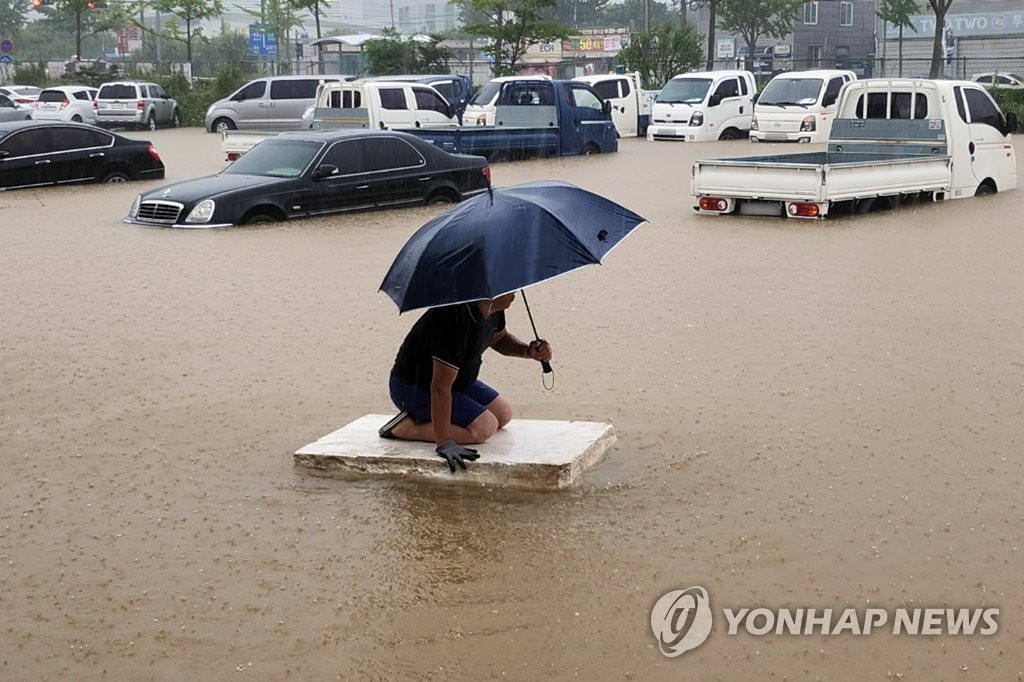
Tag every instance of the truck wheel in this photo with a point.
(591, 149)
(985, 188)
(222, 125)
(729, 134)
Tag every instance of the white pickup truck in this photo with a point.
(893, 140)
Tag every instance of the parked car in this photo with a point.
(34, 153)
(272, 103)
(312, 172)
(999, 80)
(66, 103)
(22, 95)
(9, 111)
(135, 104)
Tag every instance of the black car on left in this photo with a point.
(314, 172)
(35, 153)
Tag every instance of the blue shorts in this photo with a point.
(466, 405)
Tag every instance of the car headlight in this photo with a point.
(697, 119)
(202, 212)
(134, 210)
(808, 125)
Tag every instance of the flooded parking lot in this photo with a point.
(819, 415)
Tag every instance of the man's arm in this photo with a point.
(509, 345)
(441, 381)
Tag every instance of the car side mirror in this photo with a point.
(714, 100)
(325, 170)
(606, 107)
(4, 154)
(828, 101)
(1011, 122)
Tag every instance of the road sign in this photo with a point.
(6, 59)
(6, 46)
(262, 42)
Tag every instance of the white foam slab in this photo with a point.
(528, 453)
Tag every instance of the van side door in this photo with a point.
(251, 106)
(989, 150)
(289, 98)
(733, 109)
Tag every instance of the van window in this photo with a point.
(253, 90)
(684, 91)
(446, 88)
(878, 106)
(392, 98)
(607, 89)
(428, 100)
(791, 91)
(728, 88)
(293, 89)
(832, 91)
(583, 97)
(983, 109)
(743, 86)
(486, 94)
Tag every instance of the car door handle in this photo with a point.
(425, 178)
(97, 155)
(361, 187)
(39, 163)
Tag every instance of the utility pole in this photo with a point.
(647, 16)
(392, 3)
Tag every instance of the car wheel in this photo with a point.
(984, 189)
(442, 196)
(76, 118)
(222, 125)
(151, 122)
(259, 218)
(591, 149)
(116, 177)
(176, 119)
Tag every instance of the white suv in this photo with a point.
(66, 103)
(136, 104)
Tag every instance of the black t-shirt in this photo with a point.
(457, 335)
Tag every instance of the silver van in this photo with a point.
(272, 103)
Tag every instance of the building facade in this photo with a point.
(835, 34)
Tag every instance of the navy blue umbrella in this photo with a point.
(505, 240)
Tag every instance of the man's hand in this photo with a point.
(540, 350)
(455, 453)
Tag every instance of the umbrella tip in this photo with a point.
(490, 192)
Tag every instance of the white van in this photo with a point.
(631, 104)
(381, 104)
(798, 106)
(703, 106)
(272, 103)
(480, 110)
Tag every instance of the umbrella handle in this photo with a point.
(544, 364)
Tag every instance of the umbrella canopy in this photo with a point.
(508, 239)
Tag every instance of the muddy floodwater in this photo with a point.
(816, 415)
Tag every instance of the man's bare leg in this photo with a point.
(482, 428)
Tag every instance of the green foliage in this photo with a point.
(13, 15)
(630, 13)
(755, 18)
(579, 12)
(898, 12)
(1010, 100)
(394, 54)
(665, 51)
(31, 74)
(189, 14)
(512, 26)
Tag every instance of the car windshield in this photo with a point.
(684, 91)
(117, 91)
(52, 96)
(791, 91)
(485, 94)
(276, 158)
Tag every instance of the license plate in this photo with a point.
(117, 105)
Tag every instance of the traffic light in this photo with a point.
(41, 3)
(298, 51)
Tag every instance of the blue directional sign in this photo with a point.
(6, 59)
(262, 42)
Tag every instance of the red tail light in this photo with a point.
(140, 105)
(95, 105)
(713, 204)
(152, 152)
(487, 173)
(64, 103)
(22, 100)
(803, 210)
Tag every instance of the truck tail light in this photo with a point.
(753, 123)
(809, 124)
(713, 204)
(153, 153)
(486, 170)
(800, 209)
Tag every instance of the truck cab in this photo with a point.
(704, 106)
(798, 106)
(381, 104)
(631, 104)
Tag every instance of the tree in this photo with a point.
(512, 27)
(939, 7)
(13, 15)
(661, 53)
(190, 13)
(897, 13)
(712, 46)
(752, 19)
(394, 53)
(631, 14)
(576, 13)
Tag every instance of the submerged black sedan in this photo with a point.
(34, 153)
(306, 173)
